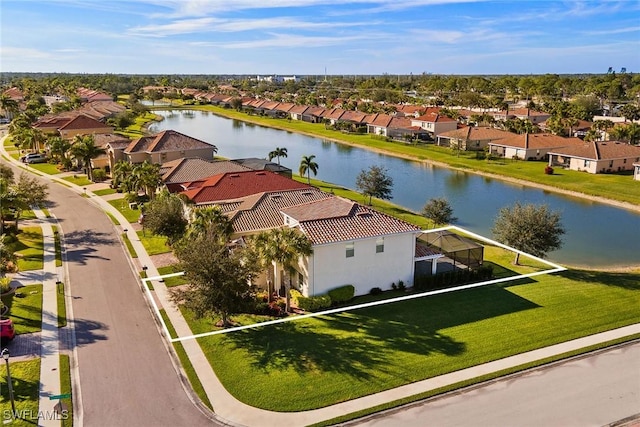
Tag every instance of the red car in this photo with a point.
(7, 332)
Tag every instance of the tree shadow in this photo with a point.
(630, 281)
(23, 390)
(81, 245)
(88, 331)
(307, 350)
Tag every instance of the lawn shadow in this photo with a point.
(302, 347)
(630, 281)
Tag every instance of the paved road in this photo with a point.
(126, 375)
(592, 391)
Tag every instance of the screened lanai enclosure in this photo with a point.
(459, 252)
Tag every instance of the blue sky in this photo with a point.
(308, 36)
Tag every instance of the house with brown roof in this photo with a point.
(471, 138)
(108, 142)
(297, 111)
(234, 185)
(435, 123)
(377, 124)
(597, 157)
(177, 173)
(83, 125)
(530, 146)
(535, 117)
(352, 244)
(166, 146)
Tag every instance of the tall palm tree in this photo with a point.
(210, 220)
(602, 126)
(307, 165)
(284, 246)
(84, 149)
(58, 147)
(148, 177)
(9, 106)
(278, 152)
(619, 133)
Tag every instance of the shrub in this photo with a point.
(342, 294)
(314, 303)
(5, 284)
(375, 291)
(99, 175)
(295, 295)
(394, 286)
(401, 285)
(548, 170)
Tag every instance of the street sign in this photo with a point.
(60, 396)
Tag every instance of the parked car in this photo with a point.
(7, 332)
(34, 158)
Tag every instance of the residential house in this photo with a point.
(535, 117)
(401, 128)
(178, 174)
(257, 164)
(471, 138)
(333, 115)
(83, 125)
(108, 141)
(87, 95)
(312, 114)
(166, 146)
(530, 146)
(597, 157)
(297, 111)
(352, 244)
(378, 124)
(435, 123)
(233, 185)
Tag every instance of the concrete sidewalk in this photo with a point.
(230, 410)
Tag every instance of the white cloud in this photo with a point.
(177, 27)
(285, 40)
(613, 31)
(8, 53)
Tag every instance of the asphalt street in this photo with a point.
(126, 374)
(592, 391)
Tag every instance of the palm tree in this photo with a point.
(84, 149)
(122, 177)
(307, 165)
(633, 133)
(210, 220)
(283, 246)
(619, 133)
(278, 152)
(148, 177)
(602, 126)
(58, 147)
(9, 106)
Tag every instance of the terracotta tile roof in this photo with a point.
(84, 122)
(116, 141)
(314, 111)
(536, 141)
(334, 114)
(263, 210)
(14, 93)
(598, 150)
(269, 105)
(298, 109)
(433, 117)
(239, 184)
(400, 123)
(93, 95)
(336, 219)
(353, 116)
(190, 169)
(476, 133)
(168, 140)
(284, 107)
(55, 122)
(381, 120)
(423, 250)
(410, 109)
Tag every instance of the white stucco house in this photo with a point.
(598, 157)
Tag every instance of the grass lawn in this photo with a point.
(26, 383)
(58, 248)
(121, 205)
(29, 248)
(186, 363)
(612, 186)
(113, 218)
(105, 192)
(78, 180)
(25, 308)
(28, 214)
(129, 246)
(46, 168)
(65, 388)
(153, 244)
(172, 281)
(330, 359)
(62, 305)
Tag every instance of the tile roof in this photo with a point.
(114, 140)
(55, 122)
(381, 120)
(536, 141)
(14, 93)
(234, 185)
(82, 122)
(189, 169)
(433, 117)
(334, 114)
(600, 150)
(353, 116)
(263, 210)
(400, 123)
(477, 133)
(336, 219)
(284, 107)
(298, 109)
(168, 140)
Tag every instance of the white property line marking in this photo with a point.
(555, 269)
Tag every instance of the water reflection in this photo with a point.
(597, 235)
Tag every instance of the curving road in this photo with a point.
(125, 372)
(596, 390)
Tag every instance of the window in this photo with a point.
(586, 163)
(300, 281)
(379, 245)
(350, 250)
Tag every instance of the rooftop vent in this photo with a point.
(235, 175)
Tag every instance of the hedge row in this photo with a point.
(452, 278)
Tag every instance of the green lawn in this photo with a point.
(105, 192)
(25, 308)
(121, 205)
(113, 218)
(129, 246)
(612, 186)
(26, 383)
(330, 359)
(46, 168)
(172, 281)
(80, 180)
(29, 248)
(153, 244)
(62, 305)
(58, 247)
(65, 388)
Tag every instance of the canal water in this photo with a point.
(598, 235)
